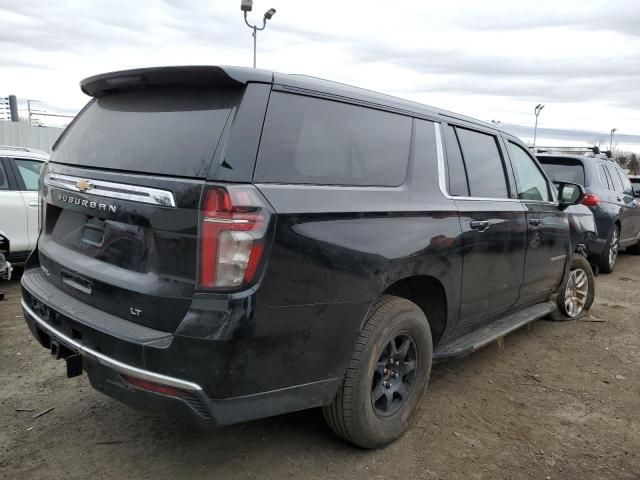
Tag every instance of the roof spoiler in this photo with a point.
(198, 76)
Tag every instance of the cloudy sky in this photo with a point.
(490, 59)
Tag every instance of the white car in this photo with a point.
(19, 179)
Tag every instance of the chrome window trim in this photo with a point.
(442, 179)
(122, 191)
(112, 363)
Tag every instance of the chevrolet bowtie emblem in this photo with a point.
(84, 185)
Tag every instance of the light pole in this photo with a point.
(613, 130)
(536, 111)
(247, 6)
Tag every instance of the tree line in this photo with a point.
(628, 160)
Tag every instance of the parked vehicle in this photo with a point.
(225, 244)
(576, 297)
(609, 195)
(5, 267)
(635, 184)
(19, 177)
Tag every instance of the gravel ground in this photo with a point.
(553, 401)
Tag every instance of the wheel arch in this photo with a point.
(429, 293)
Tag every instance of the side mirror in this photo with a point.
(570, 194)
(636, 192)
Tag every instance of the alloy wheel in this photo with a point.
(576, 292)
(394, 375)
(613, 247)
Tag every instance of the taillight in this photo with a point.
(233, 225)
(591, 200)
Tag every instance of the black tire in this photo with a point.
(353, 414)
(608, 258)
(580, 268)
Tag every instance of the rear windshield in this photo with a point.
(315, 141)
(167, 131)
(563, 170)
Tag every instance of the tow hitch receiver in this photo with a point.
(74, 365)
(72, 359)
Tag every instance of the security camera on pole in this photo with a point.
(247, 6)
(536, 111)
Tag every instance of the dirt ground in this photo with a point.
(555, 401)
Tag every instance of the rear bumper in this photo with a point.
(179, 396)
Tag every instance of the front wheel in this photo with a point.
(387, 375)
(577, 295)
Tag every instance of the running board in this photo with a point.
(485, 335)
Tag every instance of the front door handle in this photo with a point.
(480, 225)
(33, 203)
(534, 221)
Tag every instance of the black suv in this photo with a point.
(609, 194)
(226, 244)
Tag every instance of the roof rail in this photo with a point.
(593, 151)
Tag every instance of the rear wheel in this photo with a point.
(577, 295)
(610, 253)
(387, 375)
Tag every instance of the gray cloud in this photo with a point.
(621, 17)
(89, 29)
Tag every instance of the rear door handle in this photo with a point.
(33, 203)
(534, 221)
(480, 225)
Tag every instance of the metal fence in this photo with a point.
(22, 135)
(5, 112)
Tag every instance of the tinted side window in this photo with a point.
(615, 178)
(483, 164)
(315, 141)
(530, 182)
(604, 177)
(456, 174)
(4, 181)
(626, 183)
(29, 171)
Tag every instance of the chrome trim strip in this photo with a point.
(109, 362)
(225, 220)
(122, 191)
(442, 179)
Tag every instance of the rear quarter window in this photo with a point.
(314, 141)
